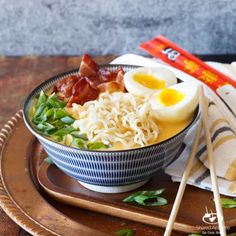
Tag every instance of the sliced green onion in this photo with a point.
(64, 131)
(147, 193)
(60, 139)
(147, 198)
(55, 102)
(77, 134)
(125, 232)
(131, 197)
(228, 202)
(79, 143)
(60, 113)
(67, 119)
(45, 126)
(52, 120)
(43, 116)
(49, 113)
(58, 123)
(97, 145)
(42, 99)
(39, 110)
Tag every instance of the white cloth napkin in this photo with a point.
(223, 137)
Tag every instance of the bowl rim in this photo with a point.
(74, 71)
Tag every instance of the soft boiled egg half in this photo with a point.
(175, 103)
(148, 80)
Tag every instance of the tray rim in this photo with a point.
(6, 202)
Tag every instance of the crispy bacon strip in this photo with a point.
(91, 81)
(82, 92)
(115, 84)
(111, 87)
(88, 67)
(65, 86)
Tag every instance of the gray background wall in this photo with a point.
(72, 27)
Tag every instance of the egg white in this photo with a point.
(183, 109)
(138, 89)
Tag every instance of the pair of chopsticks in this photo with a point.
(203, 123)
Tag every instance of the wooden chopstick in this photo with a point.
(211, 161)
(179, 196)
(183, 183)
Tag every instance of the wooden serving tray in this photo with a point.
(26, 202)
(195, 201)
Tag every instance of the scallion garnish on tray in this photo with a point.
(147, 198)
(125, 232)
(228, 202)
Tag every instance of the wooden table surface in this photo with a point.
(18, 76)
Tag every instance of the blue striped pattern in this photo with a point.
(112, 168)
(106, 168)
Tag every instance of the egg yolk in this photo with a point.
(169, 97)
(149, 81)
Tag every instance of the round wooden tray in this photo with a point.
(22, 198)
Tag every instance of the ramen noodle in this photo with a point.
(117, 119)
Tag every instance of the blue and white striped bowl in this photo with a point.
(106, 171)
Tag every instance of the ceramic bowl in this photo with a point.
(106, 171)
